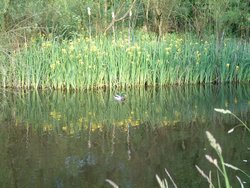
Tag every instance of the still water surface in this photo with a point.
(79, 139)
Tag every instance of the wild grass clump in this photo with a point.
(221, 179)
(164, 183)
(221, 165)
(102, 62)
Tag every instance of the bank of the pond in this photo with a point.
(84, 63)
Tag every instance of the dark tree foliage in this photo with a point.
(67, 18)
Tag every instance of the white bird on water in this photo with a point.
(119, 97)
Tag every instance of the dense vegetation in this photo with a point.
(89, 44)
(66, 17)
(84, 63)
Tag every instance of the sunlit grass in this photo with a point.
(236, 117)
(221, 179)
(164, 183)
(220, 164)
(101, 62)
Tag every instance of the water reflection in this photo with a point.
(54, 139)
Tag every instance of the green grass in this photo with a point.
(221, 179)
(82, 63)
(220, 164)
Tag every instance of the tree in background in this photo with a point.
(66, 18)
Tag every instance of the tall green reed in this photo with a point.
(89, 63)
(113, 25)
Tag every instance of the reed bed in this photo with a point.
(107, 62)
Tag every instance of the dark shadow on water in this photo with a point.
(54, 139)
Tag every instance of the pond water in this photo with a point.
(79, 139)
